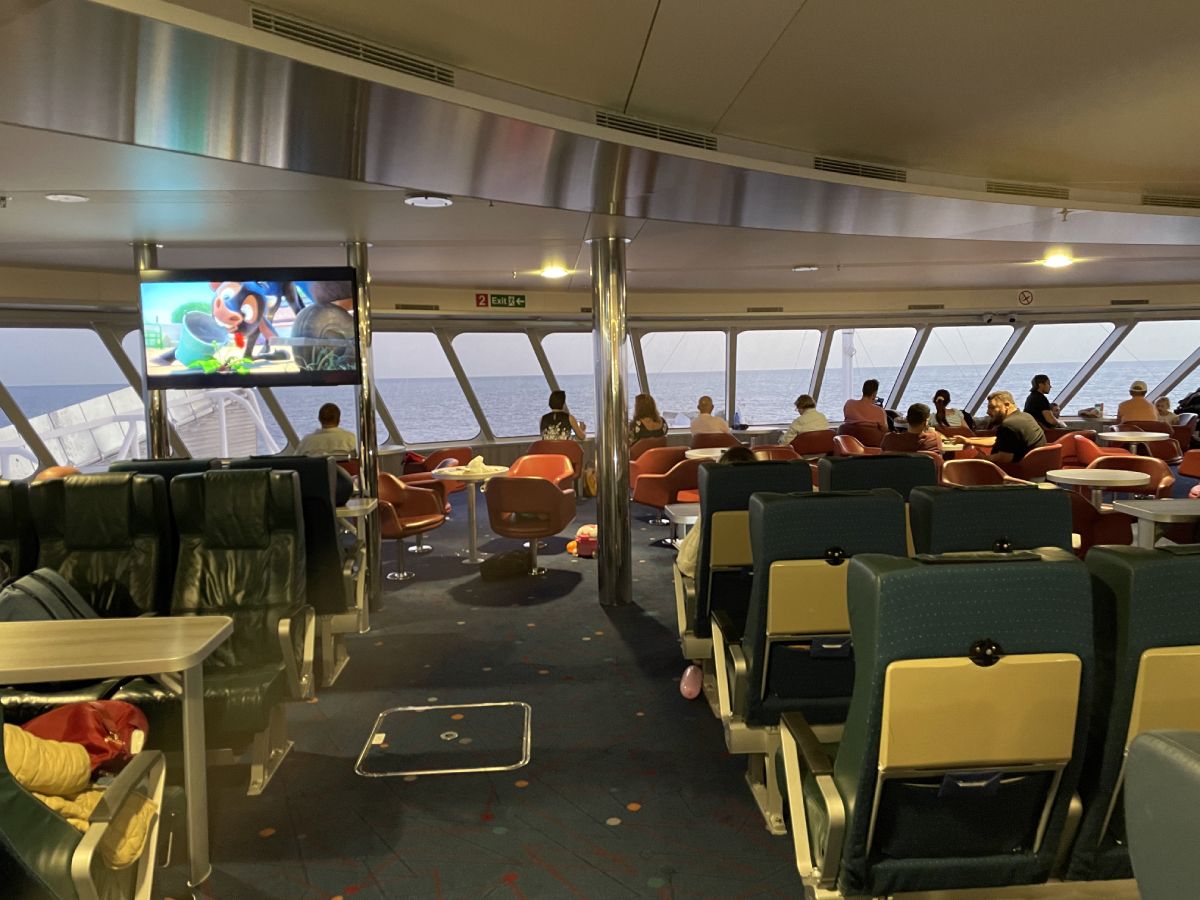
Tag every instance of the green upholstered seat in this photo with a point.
(105, 535)
(899, 471)
(1144, 599)
(906, 612)
(18, 539)
(1161, 805)
(988, 517)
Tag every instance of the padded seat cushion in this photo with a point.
(237, 701)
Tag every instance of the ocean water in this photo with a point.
(434, 409)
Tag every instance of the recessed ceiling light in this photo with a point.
(554, 272)
(428, 201)
(1057, 261)
(807, 267)
(67, 198)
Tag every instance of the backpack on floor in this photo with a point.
(42, 595)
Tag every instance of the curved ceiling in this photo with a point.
(1092, 94)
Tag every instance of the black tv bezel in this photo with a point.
(200, 380)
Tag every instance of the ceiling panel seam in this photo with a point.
(637, 71)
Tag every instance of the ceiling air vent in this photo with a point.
(1179, 202)
(348, 45)
(1129, 302)
(654, 130)
(1028, 190)
(862, 170)
(927, 306)
(764, 309)
(427, 307)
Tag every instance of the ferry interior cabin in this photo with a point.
(651, 449)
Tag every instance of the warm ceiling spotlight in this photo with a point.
(428, 201)
(67, 198)
(1057, 261)
(807, 267)
(554, 272)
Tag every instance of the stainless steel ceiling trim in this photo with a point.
(90, 70)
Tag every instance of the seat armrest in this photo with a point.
(1191, 464)
(816, 760)
(1012, 479)
(802, 752)
(730, 669)
(685, 600)
(416, 501)
(298, 650)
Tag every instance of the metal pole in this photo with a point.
(158, 442)
(368, 446)
(612, 447)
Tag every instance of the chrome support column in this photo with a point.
(730, 373)
(158, 442)
(818, 371)
(368, 446)
(612, 446)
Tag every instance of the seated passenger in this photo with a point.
(866, 411)
(706, 422)
(1137, 408)
(1163, 405)
(918, 424)
(1016, 432)
(559, 424)
(810, 419)
(647, 423)
(947, 416)
(1038, 406)
(330, 439)
(688, 552)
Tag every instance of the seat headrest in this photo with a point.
(237, 508)
(726, 486)
(806, 526)
(900, 471)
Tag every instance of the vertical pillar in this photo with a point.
(158, 443)
(612, 446)
(368, 445)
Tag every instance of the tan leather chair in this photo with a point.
(554, 467)
(849, 445)
(640, 447)
(772, 451)
(405, 511)
(973, 472)
(528, 508)
(713, 439)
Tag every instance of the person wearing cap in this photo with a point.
(1039, 406)
(1137, 408)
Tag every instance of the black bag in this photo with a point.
(40, 596)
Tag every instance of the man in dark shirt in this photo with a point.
(1037, 404)
(1016, 432)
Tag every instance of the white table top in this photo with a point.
(460, 473)
(758, 429)
(688, 513)
(1099, 477)
(706, 453)
(1160, 510)
(1131, 437)
(106, 648)
(357, 507)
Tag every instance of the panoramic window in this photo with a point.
(506, 378)
(81, 406)
(856, 355)
(1057, 350)
(1149, 353)
(681, 366)
(773, 369)
(955, 358)
(572, 359)
(413, 379)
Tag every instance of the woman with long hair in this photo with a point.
(647, 423)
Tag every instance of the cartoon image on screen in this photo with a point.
(264, 332)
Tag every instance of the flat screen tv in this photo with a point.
(205, 328)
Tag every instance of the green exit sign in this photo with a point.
(500, 301)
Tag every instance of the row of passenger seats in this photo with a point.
(958, 719)
(229, 542)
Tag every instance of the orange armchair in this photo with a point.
(901, 442)
(1088, 451)
(1036, 463)
(713, 439)
(971, 472)
(1096, 527)
(639, 447)
(1161, 479)
(1167, 448)
(663, 490)
(811, 443)
(460, 455)
(655, 461)
(404, 511)
(528, 508)
(868, 433)
(554, 467)
(848, 445)
(572, 450)
(773, 451)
